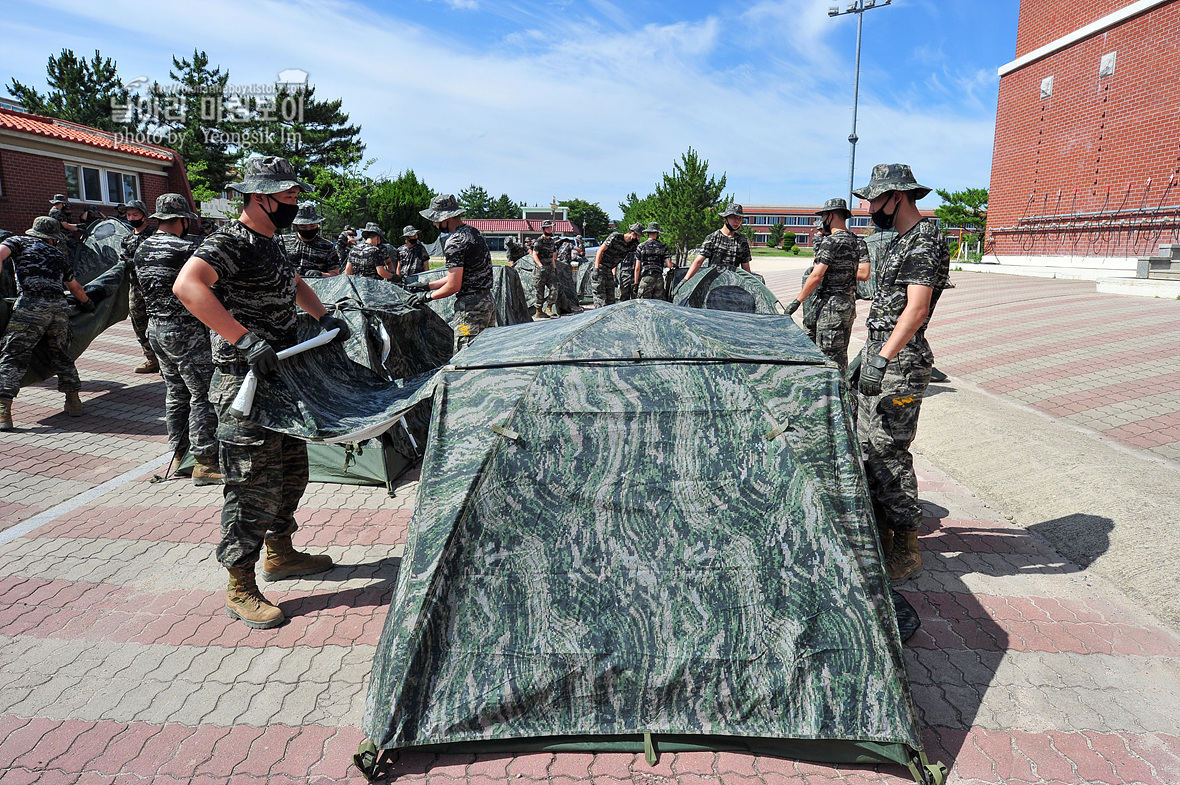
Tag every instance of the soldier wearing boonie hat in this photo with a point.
(412, 256)
(344, 242)
(240, 284)
(544, 248)
(59, 210)
(612, 255)
(370, 257)
(727, 247)
(41, 310)
(307, 250)
(136, 214)
(896, 361)
(469, 272)
(842, 260)
(652, 258)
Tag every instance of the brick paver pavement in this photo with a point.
(119, 666)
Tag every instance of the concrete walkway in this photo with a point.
(118, 664)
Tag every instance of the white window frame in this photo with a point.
(103, 183)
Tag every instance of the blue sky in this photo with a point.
(592, 99)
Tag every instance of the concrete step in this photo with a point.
(1165, 275)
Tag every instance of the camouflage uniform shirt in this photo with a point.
(650, 256)
(722, 251)
(157, 263)
(41, 269)
(615, 251)
(365, 259)
(919, 257)
(318, 255)
(842, 252)
(131, 242)
(255, 283)
(413, 258)
(565, 253)
(59, 215)
(544, 246)
(466, 248)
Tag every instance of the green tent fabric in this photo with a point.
(727, 290)
(511, 301)
(647, 523)
(585, 278)
(568, 298)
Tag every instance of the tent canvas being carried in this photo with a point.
(643, 528)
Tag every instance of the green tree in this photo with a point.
(310, 133)
(589, 217)
(966, 209)
(747, 232)
(475, 199)
(687, 203)
(775, 237)
(636, 210)
(788, 240)
(396, 203)
(505, 208)
(80, 90)
(343, 196)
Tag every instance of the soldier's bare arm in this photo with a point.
(445, 287)
(76, 290)
(194, 288)
(917, 308)
(813, 280)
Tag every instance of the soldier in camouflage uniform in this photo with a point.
(727, 247)
(626, 276)
(842, 259)
(896, 360)
(809, 310)
(40, 311)
(469, 272)
(240, 284)
(344, 244)
(179, 340)
(567, 287)
(652, 258)
(59, 210)
(612, 254)
(137, 216)
(310, 254)
(514, 250)
(412, 258)
(546, 277)
(369, 258)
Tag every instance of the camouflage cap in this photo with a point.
(59, 199)
(268, 175)
(442, 207)
(546, 224)
(653, 227)
(136, 204)
(733, 209)
(372, 228)
(409, 231)
(307, 215)
(836, 205)
(46, 228)
(169, 206)
(635, 227)
(891, 177)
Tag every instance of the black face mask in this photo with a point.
(884, 220)
(136, 223)
(184, 227)
(283, 214)
(411, 240)
(308, 234)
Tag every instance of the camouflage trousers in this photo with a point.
(546, 279)
(186, 363)
(603, 282)
(265, 474)
(886, 426)
(810, 312)
(32, 319)
(137, 311)
(474, 313)
(626, 283)
(651, 287)
(835, 316)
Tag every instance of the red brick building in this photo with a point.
(1086, 168)
(43, 156)
(800, 219)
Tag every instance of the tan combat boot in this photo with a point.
(551, 311)
(886, 536)
(5, 414)
(149, 365)
(539, 314)
(73, 404)
(283, 561)
(244, 601)
(206, 470)
(904, 561)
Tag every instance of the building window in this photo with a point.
(859, 222)
(801, 239)
(761, 238)
(86, 183)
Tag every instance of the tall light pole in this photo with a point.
(857, 7)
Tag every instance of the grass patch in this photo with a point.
(762, 252)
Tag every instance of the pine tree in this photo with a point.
(80, 90)
(310, 133)
(687, 203)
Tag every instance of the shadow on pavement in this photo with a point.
(1080, 537)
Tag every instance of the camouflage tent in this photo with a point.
(727, 290)
(511, 301)
(585, 279)
(567, 300)
(645, 527)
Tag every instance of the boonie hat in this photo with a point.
(442, 207)
(836, 205)
(733, 209)
(635, 227)
(46, 228)
(268, 175)
(653, 227)
(372, 228)
(891, 177)
(307, 215)
(59, 198)
(409, 231)
(136, 204)
(169, 206)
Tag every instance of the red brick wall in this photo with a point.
(28, 181)
(1091, 135)
(1042, 21)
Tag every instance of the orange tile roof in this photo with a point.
(72, 132)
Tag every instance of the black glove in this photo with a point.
(96, 293)
(794, 306)
(871, 373)
(330, 322)
(259, 354)
(419, 299)
(417, 286)
(87, 307)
